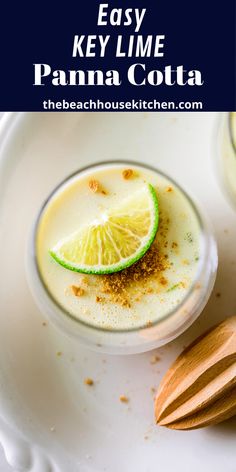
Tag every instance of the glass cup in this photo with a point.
(144, 338)
(226, 154)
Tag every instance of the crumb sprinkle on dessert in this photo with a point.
(118, 286)
(163, 281)
(96, 187)
(127, 174)
(77, 291)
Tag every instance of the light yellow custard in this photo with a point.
(148, 290)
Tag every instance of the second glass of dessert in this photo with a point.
(226, 154)
(121, 258)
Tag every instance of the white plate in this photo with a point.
(49, 420)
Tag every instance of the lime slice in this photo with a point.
(115, 240)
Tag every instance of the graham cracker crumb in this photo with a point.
(77, 291)
(174, 245)
(127, 174)
(163, 281)
(88, 381)
(149, 324)
(149, 290)
(169, 189)
(155, 359)
(124, 399)
(118, 286)
(94, 185)
(125, 303)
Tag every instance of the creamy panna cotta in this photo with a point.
(149, 289)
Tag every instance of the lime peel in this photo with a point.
(121, 230)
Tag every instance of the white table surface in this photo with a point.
(97, 429)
